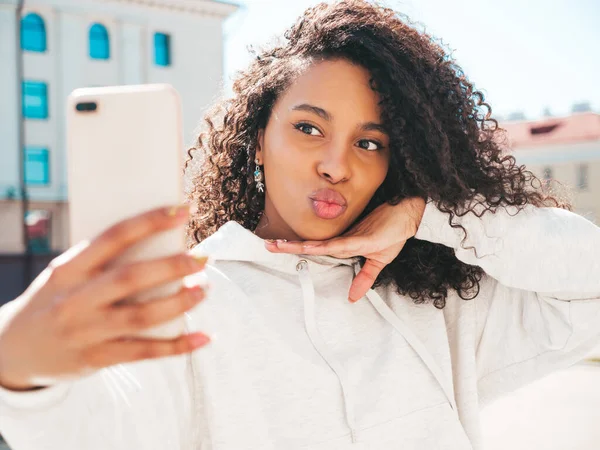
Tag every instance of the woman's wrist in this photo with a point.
(414, 208)
(12, 382)
(14, 385)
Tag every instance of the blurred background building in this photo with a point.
(565, 149)
(67, 44)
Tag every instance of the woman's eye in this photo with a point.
(307, 129)
(369, 145)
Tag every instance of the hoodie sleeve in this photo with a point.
(54, 417)
(538, 309)
(135, 405)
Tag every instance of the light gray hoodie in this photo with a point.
(294, 365)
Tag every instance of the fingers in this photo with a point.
(126, 233)
(128, 319)
(128, 350)
(124, 281)
(365, 279)
(341, 247)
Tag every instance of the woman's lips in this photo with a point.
(326, 210)
(328, 204)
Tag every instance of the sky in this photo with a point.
(524, 55)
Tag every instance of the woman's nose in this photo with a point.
(334, 164)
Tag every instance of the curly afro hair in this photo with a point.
(444, 144)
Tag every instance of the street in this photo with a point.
(559, 412)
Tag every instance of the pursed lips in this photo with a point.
(328, 204)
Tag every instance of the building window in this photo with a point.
(37, 166)
(547, 174)
(99, 42)
(162, 49)
(35, 100)
(38, 223)
(582, 177)
(33, 33)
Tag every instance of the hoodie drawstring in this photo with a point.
(308, 294)
(406, 332)
(414, 342)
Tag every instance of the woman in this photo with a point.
(354, 154)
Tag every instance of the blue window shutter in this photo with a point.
(35, 100)
(99, 42)
(33, 33)
(37, 166)
(162, 49)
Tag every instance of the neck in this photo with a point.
(272, 226)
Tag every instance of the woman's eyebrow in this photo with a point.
(313, 109)
(372, 126)
(367, 126)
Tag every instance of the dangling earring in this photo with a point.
(258, 177)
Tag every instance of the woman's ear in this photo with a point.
(259, 146)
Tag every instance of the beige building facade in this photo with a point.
(565, 149)
(67, 44)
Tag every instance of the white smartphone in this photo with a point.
(125, 146)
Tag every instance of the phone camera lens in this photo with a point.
(86, 106)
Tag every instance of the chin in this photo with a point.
(321, 230)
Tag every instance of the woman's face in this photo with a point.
(324, 152)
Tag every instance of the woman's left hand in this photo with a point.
(379, 237)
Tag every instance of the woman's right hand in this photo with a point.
(71, 320)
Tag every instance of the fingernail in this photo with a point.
(200, 260)
(178, 211)
(281, 241)
(270, 241)
(199, 339)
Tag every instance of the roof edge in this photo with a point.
(541, 120)
(204, 7)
